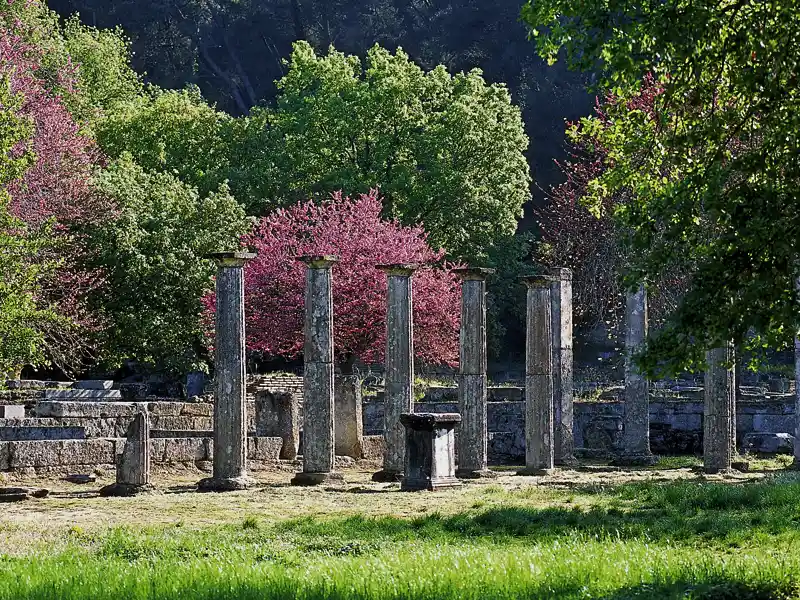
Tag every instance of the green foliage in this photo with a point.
(446, 150)
(174, 132)
(153, 258)
(21, 317)
(714, 171)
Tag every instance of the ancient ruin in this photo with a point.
(719, 427)
(133, 463)
(561, 310)
(318, 417)
(430, 460)
(473, 440)
(399, 367)
(230, 413)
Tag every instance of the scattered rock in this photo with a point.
(81, 479)
(18, 494)
(769, 443)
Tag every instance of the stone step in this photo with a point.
(28, 434)
(95, 410)
(83, 394)
(12, 411)
(36, 384)
(93, 384)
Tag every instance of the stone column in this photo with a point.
(539, 447)
(318, 418)
(719, 397)
(230, 419)
(133, 465)
(561, 302)
(473, 437)
(636, 433)
(349, 426)
(399, 395)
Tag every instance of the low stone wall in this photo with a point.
(676, 426)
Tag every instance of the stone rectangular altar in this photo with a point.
(430, 461)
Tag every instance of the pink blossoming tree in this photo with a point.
(352, 229)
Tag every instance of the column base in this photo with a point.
(228, 484)
(305, 479)
(417, 485)
(125, 490)
(387, 476)
(635, 460)
(476, 474)
(530, 471)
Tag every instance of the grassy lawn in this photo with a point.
(667, 532)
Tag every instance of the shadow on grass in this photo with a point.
(676, 511)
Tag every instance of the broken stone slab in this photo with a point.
(11, 411)
(18, 494)
(80, 479)
(82, 394)
(133, 464)
(93, 384)
(769, 443)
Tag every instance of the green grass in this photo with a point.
(637, 540)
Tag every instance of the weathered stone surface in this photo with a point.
(348, 420)
(264, 449)
(277, 414)
(769, 443)
(720, 397)
(83, 395)
(373, 447)
(93, 384)
(399, 386)
(53, 453)
(507, 447)
(20, 434)
(563, 412)
(636, 433)
(133, 464)
(318, 407)
(87, 410)
(197, 409)
(230, 418)
(430, 451)
(539, 446)
(12, 412)
(473, 438)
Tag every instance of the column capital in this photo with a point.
(539, 281)
(398, 269)
(473, 273)
(319, 261)
(231, 259)
(561, 273)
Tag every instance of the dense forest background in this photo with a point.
(234, 51)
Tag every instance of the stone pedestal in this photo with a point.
(539, 447)
(349, 427)
(230, 419)
(318, 417)
(563, 400)
(636, 433)
(430, 460)
(473, 436)
(278, 415)
(399, 395)
(133, 465)
(719, 399)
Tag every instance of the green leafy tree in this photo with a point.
(21, 315)
(714, 175)
(155, 271)
(446, 150)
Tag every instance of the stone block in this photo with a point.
(373, 447)
(773, 423)
(87, 410)
(430, 462)
(769, 443)
(266, 449)
(134, 391)
(19, 434)
(277, 414)
(506, 394)
(83, 395)
(93, 384)
(5, 456)
(348, 417)
(165, 409)
(507, 447)
(88, 452)
(184, 450)
(197, 409)
(12, 412)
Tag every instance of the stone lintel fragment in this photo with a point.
(401, 269)
(473, 273)
(318, 261)
(230, 259)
